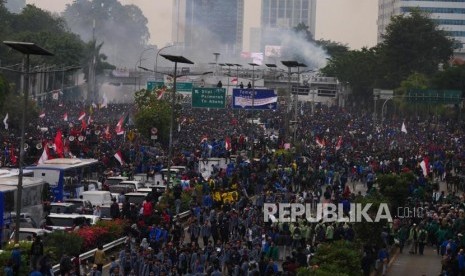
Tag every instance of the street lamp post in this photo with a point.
(156, 58)
(27, 49)
(289, 64)
(176, 60)
(253, 86)
(140, 64)
(296, 100)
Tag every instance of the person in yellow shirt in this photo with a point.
(99, 258)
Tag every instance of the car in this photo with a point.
(113, 181)
(97, 197)
(116, 190)
(91, 185)
(135, 184)
(25, 220)
(82, 206)
(136, 198)
(62, 208)
(65, 222)
(26, 234)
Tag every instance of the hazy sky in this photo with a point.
(352, 22)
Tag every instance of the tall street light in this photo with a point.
(237, 73)
(253, 85)
(176, 60)
(140, 62)
(296, 99)
(289, 64)
(156, 58)
(27, 49)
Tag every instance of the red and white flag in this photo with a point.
(320, 142)
(234, 80)
(119, 157)
(82, 115)
(83, 125)
(204, 139)
(160, 93)
(227, 143)
(59, 144)
(65, 117)
(119, 127)
(42, 115)
(44, 156)
(424, 164)
(339, 143)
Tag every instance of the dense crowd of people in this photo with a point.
(335, 149)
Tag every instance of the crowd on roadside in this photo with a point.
(336, 148)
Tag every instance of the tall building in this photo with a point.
(15, 6)
(279, 15)
(449, 14)
(217, 22)
(286, 14)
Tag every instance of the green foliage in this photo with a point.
(123, 28)
(358, 68)
(4, 90)
(370, 232)
(395, 188)
(333, 48)
(301, 28)
(24, 247)
(413, 43)
(15, 108)
(452, 77)
(152, 112)
(60, 242)
(338, 258)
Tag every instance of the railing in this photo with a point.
(113, 244)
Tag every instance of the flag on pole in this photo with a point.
(105, 101)
(82, 115)
(83, 125)
(339, 143)
(59, 144)
(44, 156)
(65, 117)
(403, 128)
(161, 92)
(119, 157)
(42, 115)
(119, 126)
(227, 143)
(320, 142)
(424, 164)
(5, 121)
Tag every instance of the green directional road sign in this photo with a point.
(208, 97)
(432, 96)
(183, 87)
(152, 85)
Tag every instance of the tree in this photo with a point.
(301, 28)
(123, 29)
(453, 77)
(358, 68)
(4, 90)
(395, 188)
(412, 43)
(333, 48)
(337, 258)
(152, 112)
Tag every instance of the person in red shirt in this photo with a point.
(147, 208)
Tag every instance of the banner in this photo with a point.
(255, 99)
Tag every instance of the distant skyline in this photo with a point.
(346, 21)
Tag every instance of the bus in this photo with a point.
(65, 175)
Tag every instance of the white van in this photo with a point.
(97, 197)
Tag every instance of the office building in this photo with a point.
(209, 21)
(449, 14)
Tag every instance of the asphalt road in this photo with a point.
(428, 264)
